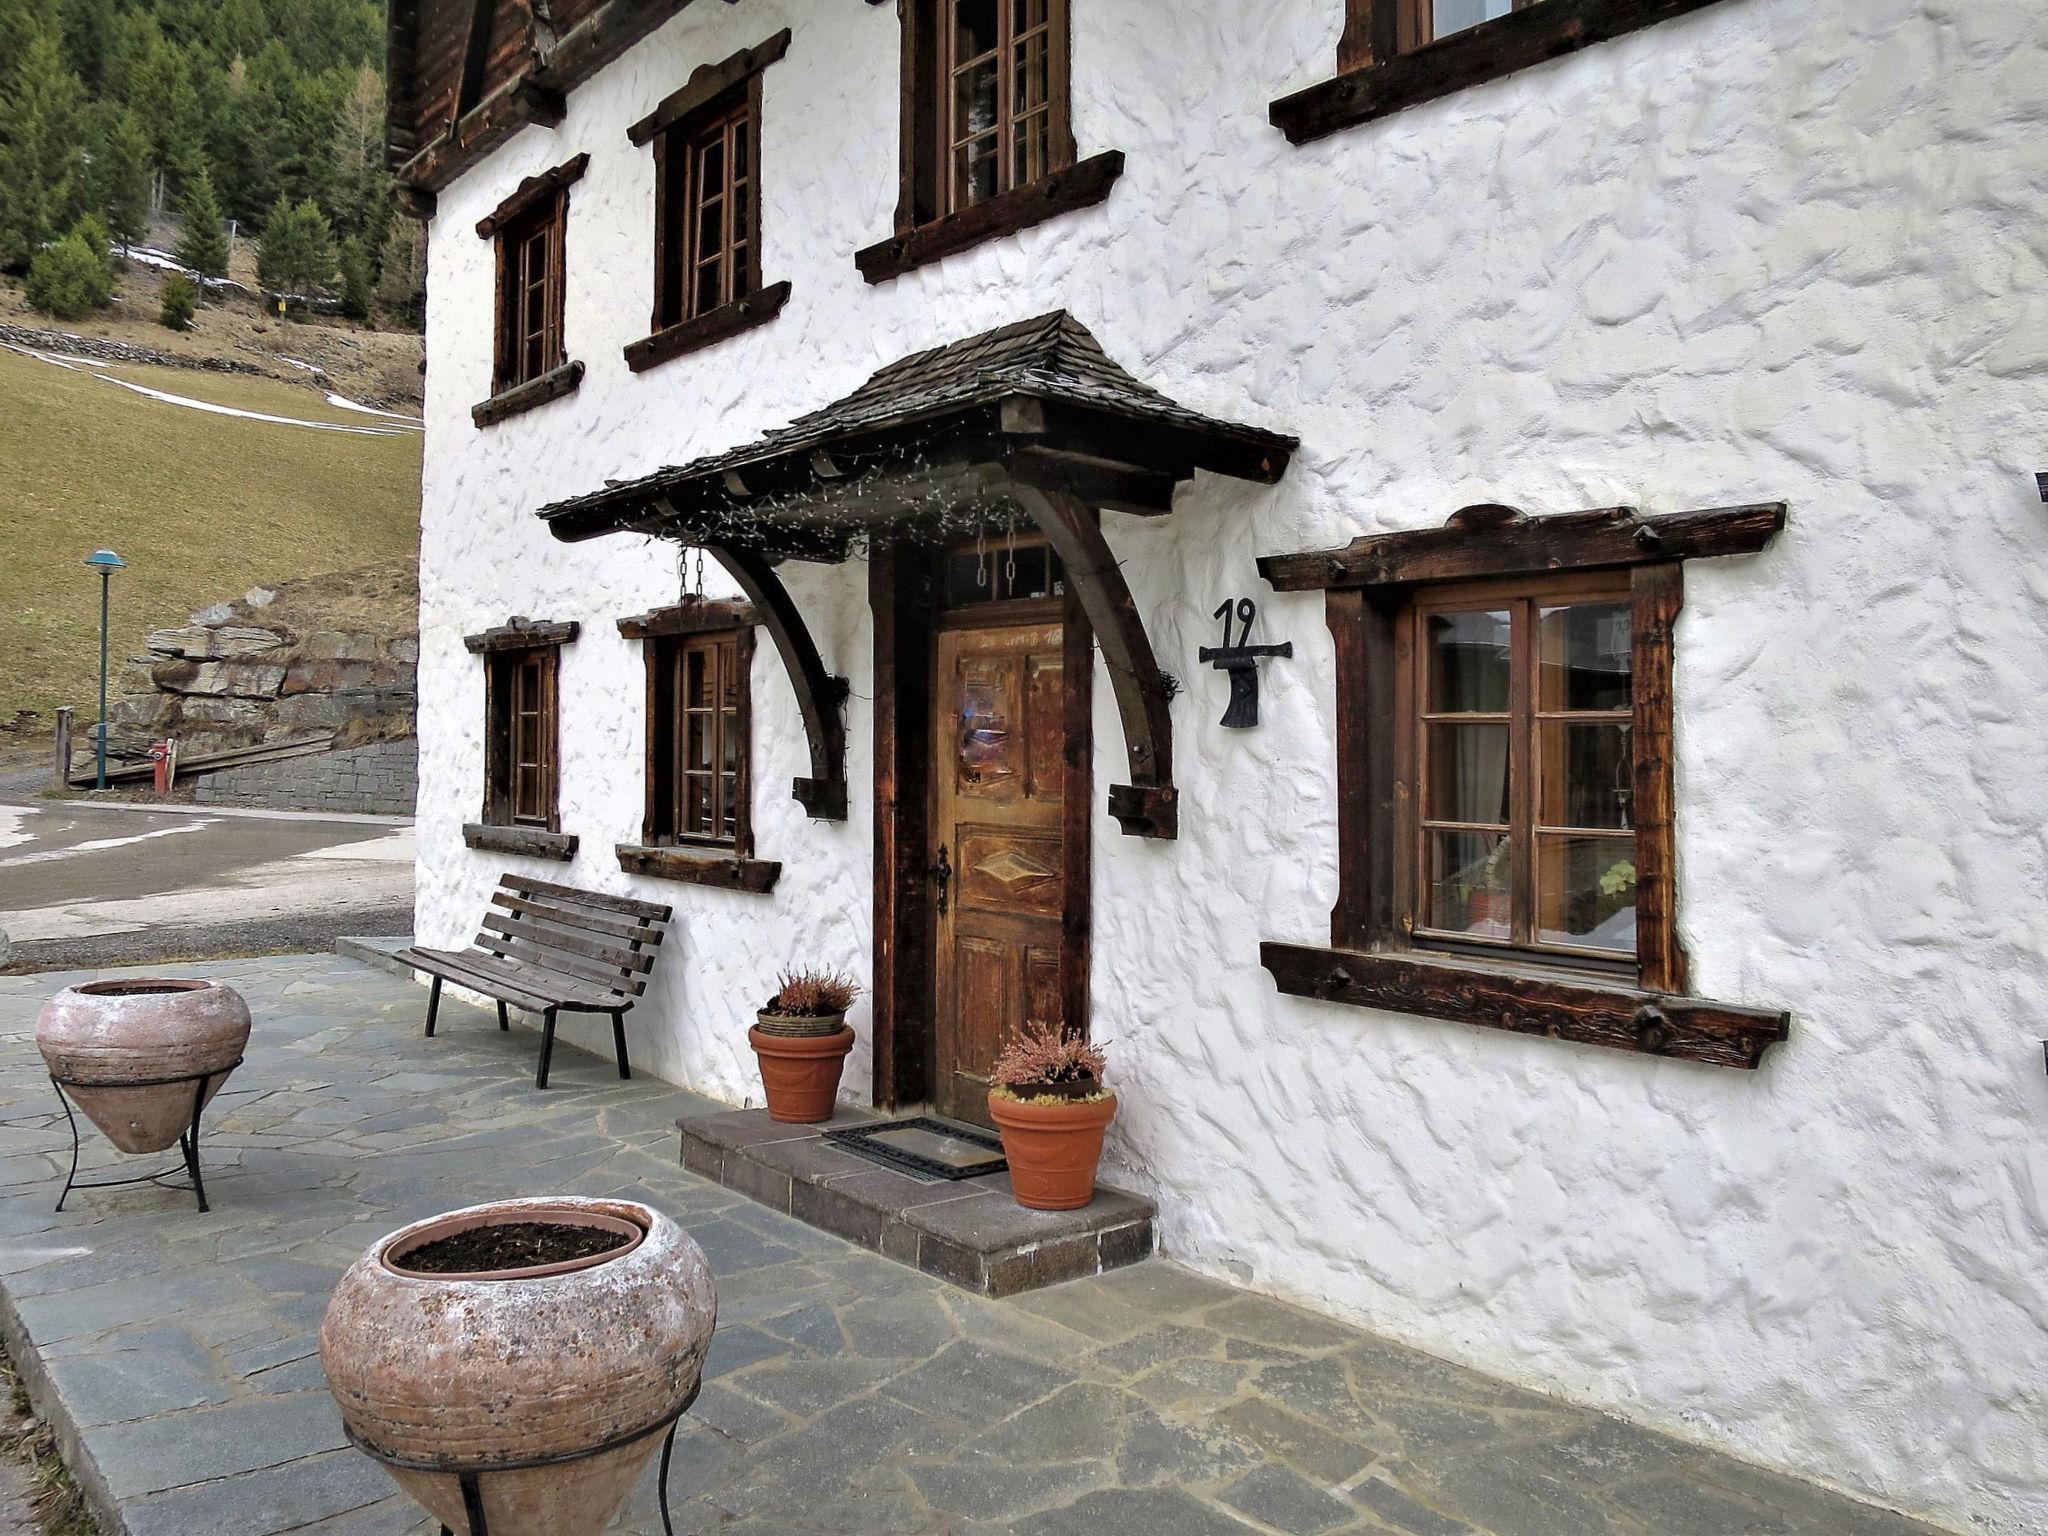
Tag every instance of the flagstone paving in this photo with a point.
(846, 1395)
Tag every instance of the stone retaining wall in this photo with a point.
(381, 779)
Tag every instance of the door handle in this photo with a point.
(942, 877)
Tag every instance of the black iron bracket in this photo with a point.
(1240, 662)
(188, 1139)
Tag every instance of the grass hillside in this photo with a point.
(202, 507)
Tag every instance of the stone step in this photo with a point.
(970, 1232)
(379, 951)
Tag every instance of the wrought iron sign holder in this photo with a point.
(1241, 661)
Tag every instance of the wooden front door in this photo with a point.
(1000, 786)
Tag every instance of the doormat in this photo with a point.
(932, 1149)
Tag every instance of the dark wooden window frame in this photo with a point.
(930, 224)
(534, 218)
(506, 652)
(668, 634)
(1373, 959)
(1386, 60)
(726, 95)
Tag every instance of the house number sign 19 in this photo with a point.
(1241, 661)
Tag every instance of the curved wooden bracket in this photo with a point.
(819, 695)
(1148, 806)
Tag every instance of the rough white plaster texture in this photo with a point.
(1779, 249)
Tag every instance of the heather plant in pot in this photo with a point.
(801, 1038)
(1051, 1105)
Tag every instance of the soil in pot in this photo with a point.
(516, 1245)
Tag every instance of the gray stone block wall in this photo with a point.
(380, 779)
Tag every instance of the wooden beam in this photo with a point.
(1081, 186)
(1492, 541)
(524, 842)
(694, 616)
(522, 634)
(1616, 1016)
(700, 866)
(819, 695)
(1148, 805)
(707, 83)
(531, 193)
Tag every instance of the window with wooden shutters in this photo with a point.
(530, 364)
(706, 141)
(1395, 53)
(522, 745)
(1506, 788)
(698, 746)
(987, 139)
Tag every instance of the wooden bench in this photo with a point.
(551, 949)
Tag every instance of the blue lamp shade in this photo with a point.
(106, 560)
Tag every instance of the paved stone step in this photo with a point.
(971, 1232)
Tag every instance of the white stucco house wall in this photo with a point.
(1764, 252)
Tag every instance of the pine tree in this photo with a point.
(180, 301)
(402, 274)
(358, 286)
(72, 277)
(297, 258)
(117, 174)
(202, 244)
(356, 178)
(40, 155)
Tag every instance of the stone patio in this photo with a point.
(848, 1394)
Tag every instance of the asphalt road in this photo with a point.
(85, 884)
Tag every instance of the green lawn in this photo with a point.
(202, 507)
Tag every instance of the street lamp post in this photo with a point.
(106, 562)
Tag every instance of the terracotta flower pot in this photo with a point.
(545, 1364)
(139, 1031)
(1053, 1149)
(800, 1074)
(800, 1025)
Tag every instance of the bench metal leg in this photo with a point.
(433, 1006)
(503, 1022)
(619, 1041)
(547, 1047)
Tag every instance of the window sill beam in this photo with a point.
(552, 385)
(707, 329)
(526, 842)
(1081, 185)
(1615, 1016)
(727, 871)
(522, 634)
(1472, 57)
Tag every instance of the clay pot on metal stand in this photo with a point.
(1053, 1141)
(801, 1061)
(533, 1390)
(142, 1057)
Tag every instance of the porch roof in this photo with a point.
(1037, 402)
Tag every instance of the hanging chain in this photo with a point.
(980, 558)
(1010, 557)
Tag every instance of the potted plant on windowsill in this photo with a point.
(1050, 1103)
(801, 1039)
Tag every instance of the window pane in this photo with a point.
(698, 681)
(711, 167)
(697, 741)
(1029, 14)
(1468, 883)
(974, 172)
(1456, 15)
(1468, 774)
(1468, 662)
(975, 29)
(1586, 892)
(697, 806)
(1586, 657)
(1587, 774)
(742, 144)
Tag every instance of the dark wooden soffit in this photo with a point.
(1377, 88)
(1616, 1016)
(531, 193)
(1148, 806)
(537, 95)
(819, 695)
(1079, 186)
(523, 634)
(707, 83)
(695, 616)
(1493, 541)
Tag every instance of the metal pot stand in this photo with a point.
(188, 1176)
(467, 1475)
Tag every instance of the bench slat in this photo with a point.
(452, 965)
(652, 911)
(550, 938)
(549, 990)
(539, 957)
(569, 917)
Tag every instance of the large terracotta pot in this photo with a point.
(546, 1364)
(1053, 1149)
(140, 1031)
(801, 1074)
